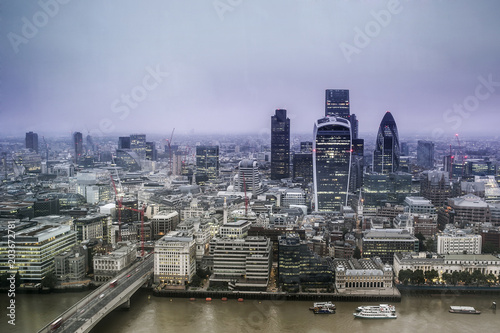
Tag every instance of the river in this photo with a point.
(161, 314)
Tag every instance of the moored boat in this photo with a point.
(377, 308)
(323, 305)
(375, 315)
(464, 309)
(323, 311)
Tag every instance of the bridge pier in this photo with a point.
(125, 305)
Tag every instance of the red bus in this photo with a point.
(113, 283)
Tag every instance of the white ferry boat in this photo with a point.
(323, 305)
(375, 315)
(464, 309)
(377, 308)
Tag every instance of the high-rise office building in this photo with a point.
(425, 154)
(78, 143)
(32, 141)
(306, 147)
(151, 152)
(207, 164)
(248, 179)
(138, 144)
(387, 151)
(280, 145)
(354, 126)
(337, 103)
(331, 163)
(124, 142)
(303, 167)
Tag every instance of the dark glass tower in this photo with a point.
(337, 103)
(207, 164)
(387, 151)
(138, 144)
(425, 154)
(280, 145)
(78, 143)
(32, 141)
(331, 163)
(124, 142)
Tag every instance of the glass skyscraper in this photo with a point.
(337, 103)
(280, 145)
(207, 164)
(387, 151)
(78, 143)
(32, 141)
(331, 163)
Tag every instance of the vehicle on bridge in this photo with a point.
(113, 283)
(56, 324)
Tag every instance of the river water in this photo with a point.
(161, 314)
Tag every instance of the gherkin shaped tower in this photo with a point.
(387, 151)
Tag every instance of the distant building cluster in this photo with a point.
(326, 212)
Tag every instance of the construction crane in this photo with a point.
(119, 200)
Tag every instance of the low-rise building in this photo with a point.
(458, 241)
(109, 265)
(238, 229)
(362, 273)
(384, 243)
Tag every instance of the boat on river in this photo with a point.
(381, 308)
(464, 309)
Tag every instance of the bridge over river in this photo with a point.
(85, 314)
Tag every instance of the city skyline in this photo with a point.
(202, 68)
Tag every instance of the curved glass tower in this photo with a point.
(387, 151)
(331, 163)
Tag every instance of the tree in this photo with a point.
(404, 276)
(196, 281)
(430, 244)
(491, 278)
(455, 277)
(447, 278)
(421, 239)
(431, 275)
(357, 253)
(49, 281)
(465, 277)
(418, 277)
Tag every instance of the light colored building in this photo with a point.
(71, 265)
(384, 243)
(362, 274)
(420, 206)
(109, 265)
(238, 229)
(457, 241)
(485, 263)
(175, 260)
(241, 263)
(36, 247)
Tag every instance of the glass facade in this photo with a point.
(337, 103)
(331, 163)
(387, 151)
(207, 164)
(280, 145)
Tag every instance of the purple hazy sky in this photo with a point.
(127, 66)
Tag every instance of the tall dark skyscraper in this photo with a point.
(337, 103)
(124, 142)
(387, 151)
(78, 143)
(280, 145)
(32, 141)
(354, 126)
(425, 154)
(207, 164)
(138, 144)
(331, 163)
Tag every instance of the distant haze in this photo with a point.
(127, 66)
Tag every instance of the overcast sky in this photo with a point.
(125, 66)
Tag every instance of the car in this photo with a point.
(102, 295)
(129, 275)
